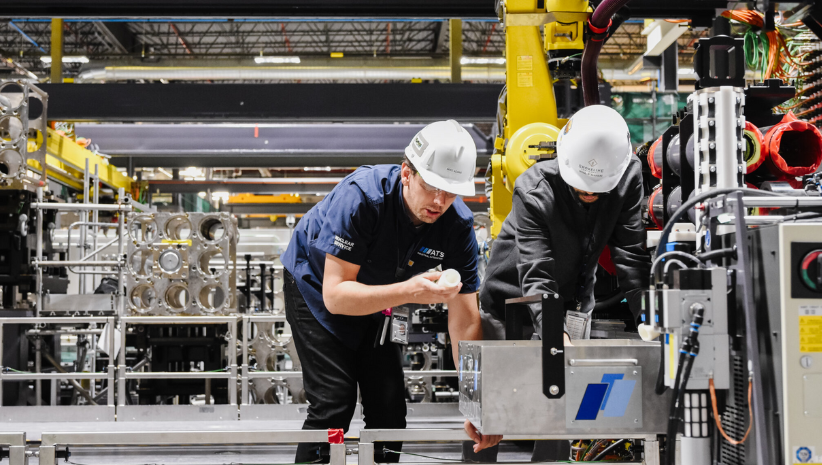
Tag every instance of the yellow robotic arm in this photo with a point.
(529, 123)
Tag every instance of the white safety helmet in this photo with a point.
(445, 156)
(594, 149)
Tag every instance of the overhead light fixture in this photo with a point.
(685, 71)
(192, 172)
(66, 59)
(276, 59)
(222, 196)
(481, 61)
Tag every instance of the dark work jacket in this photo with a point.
(551, 241)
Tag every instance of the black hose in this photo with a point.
(607, 449)
(718, 253)
(590, 54)
(673, 425)
(666, 231)
(680, 408)
(687, 354)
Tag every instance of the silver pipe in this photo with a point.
(778, 201)
(121, 234)
(39, 255)
(83, 227)
(44, 263)
(92, 385)
(404, 73)
(100, 249)
(95, 215)
(54, 332)
(38, 365)
(81, 207)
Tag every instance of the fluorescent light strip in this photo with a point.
(481, 61)
(66, 59)
(276, 59)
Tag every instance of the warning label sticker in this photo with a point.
(810, 333)
(525, 79)
(525, 63)
(805, 455)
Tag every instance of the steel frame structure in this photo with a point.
(153, 40)
(50, 441)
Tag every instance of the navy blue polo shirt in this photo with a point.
(363, 221)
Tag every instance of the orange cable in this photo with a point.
(716, 414)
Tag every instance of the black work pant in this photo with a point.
(332, 372)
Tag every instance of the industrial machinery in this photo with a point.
(735, 308)
(182, 264)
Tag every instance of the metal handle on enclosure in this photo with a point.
(603, 361)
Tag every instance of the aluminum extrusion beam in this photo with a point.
(466, 103)
(440, 435)
(301, 208)
(263, 145)
(166, 438)
(310, 186)
(317, 9)
(252, 9)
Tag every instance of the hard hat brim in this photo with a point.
(465, 189)
(585, 183)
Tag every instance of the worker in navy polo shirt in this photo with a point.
(366, 247)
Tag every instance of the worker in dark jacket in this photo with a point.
(565, 211)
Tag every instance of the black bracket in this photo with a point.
(553, 341)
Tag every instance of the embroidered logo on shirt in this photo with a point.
(431, 253)
(343, 244)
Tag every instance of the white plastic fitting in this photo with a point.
(449, 278)
(647, 332)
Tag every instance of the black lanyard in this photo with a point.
(403, 263)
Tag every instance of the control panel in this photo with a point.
(800, 278)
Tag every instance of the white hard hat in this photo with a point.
(445, 156)
(593, 149)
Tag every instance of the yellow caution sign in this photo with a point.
(810, 333)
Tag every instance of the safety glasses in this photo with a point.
(433, 190)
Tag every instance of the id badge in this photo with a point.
(400, 325)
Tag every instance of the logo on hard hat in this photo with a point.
(418, 144)
(592, 162)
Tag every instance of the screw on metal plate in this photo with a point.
(634, 372)
(553, 390)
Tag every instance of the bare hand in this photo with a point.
(422, 289)
(482, 441)
(566, 339)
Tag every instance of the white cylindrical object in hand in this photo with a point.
(647, 332)
(449, 278)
